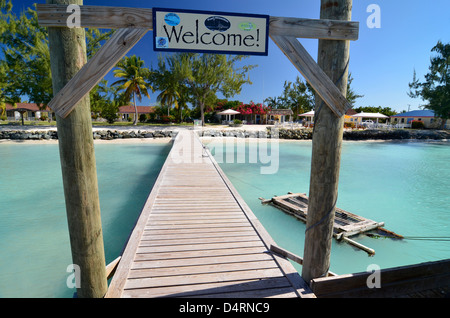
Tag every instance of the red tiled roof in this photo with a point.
(29, 106)
(141, 109)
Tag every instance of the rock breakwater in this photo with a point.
(269, 132)
(98, 134)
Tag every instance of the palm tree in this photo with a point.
(169, 91)
(132, 74)
(168, 80)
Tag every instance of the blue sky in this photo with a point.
(382, 60)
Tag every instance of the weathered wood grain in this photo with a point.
(94, 70)
(67, 49)
(315, 76)
(314, 28)
(204, 247)
(122, 17)
(103, 17)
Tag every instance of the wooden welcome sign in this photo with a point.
(210, 32)
(133, 24)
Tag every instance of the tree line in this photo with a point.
(182, 79)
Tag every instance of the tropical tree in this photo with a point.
(351, 96)
(297, 96)
(435, 90)
(208, 74)
(25, 64)
(273, 102)
(168, 79)
(26, 58)
(132, 74)
(372, 109)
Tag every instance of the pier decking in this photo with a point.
(196, 237)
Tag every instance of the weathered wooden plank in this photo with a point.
(198, 226)
(96, 16)
(94, 70)
(314, 29)
(199, 240)
(286, 292)
(220, 214)
(187, 237)
(315, 76)
(395, 282)
(173, 263)
(153, 222)
(196, 247)
(208, 232)
(142, 255)
(122, 17)
(111, 267)
(201, 269)
(186, 249)
(287, 254)
(203, 278)
(204, 290)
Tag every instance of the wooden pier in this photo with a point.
(196, 237)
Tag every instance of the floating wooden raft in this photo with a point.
(346, 224)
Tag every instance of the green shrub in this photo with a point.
(237, 122)
(142, 118)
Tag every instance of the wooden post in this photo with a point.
(68, 55)
(333, 58)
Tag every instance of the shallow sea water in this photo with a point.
(34, 239)
(404, 184)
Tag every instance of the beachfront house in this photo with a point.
(349, 117)
(425, 116)
(27, 111)
(279, 115)
(127, 113)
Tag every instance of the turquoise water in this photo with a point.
(404, 184)
(34, 241)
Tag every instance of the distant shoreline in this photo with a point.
(146, 133)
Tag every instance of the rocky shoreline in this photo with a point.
(98, 134)
(306, 134)
(269, 132)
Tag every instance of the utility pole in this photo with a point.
(333, 58)
(76, 148)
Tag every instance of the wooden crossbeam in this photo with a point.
(95, 69)
(314, 29)
(133, 23)
(312, 72)
(52, 15)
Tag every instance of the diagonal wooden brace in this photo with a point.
(312, 72)
(95, 69)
